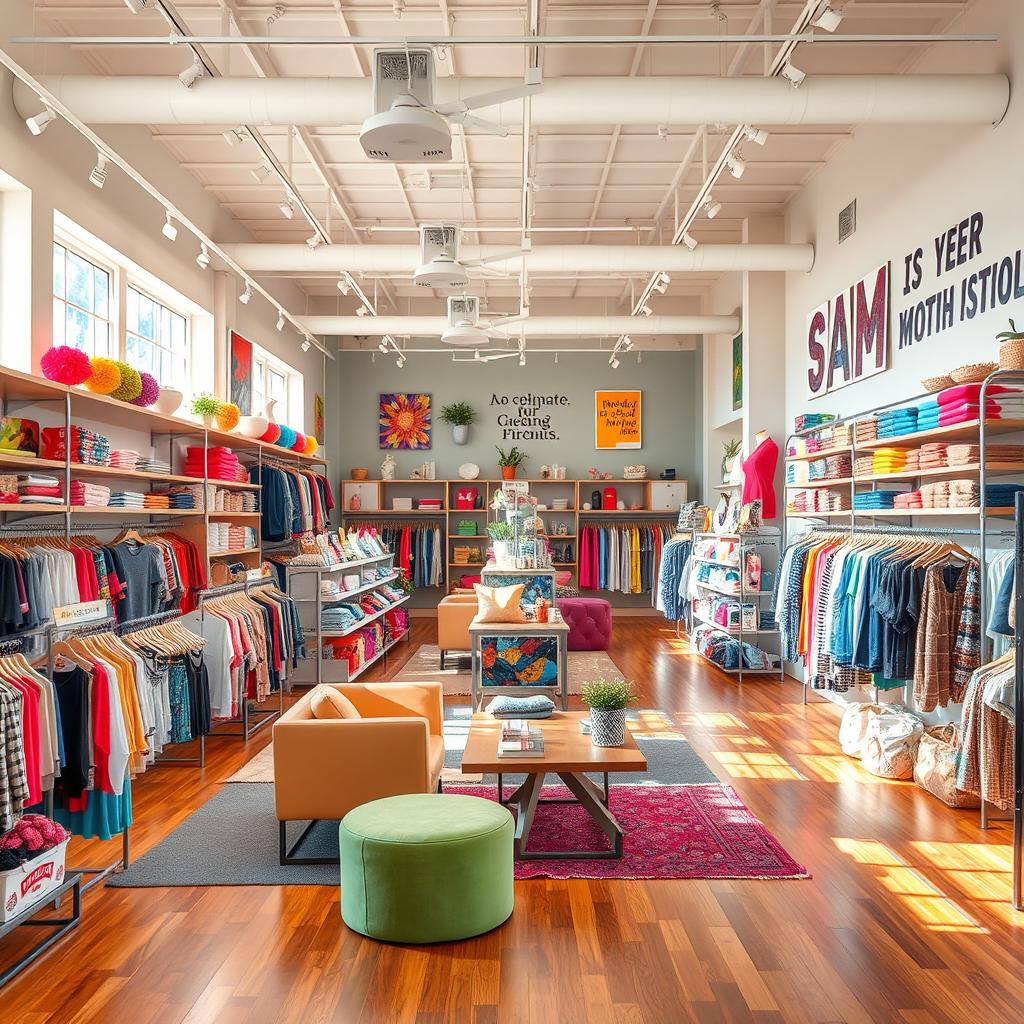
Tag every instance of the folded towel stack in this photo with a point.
(908, 499)
(935, 495)
(818, 499)
(124, 458)
(897, 422)
(888, 460)
(127, 499)
(868, 500)
(810, 420)
(95, 495)
(913, 460)
(841, 435)
(866, 429)
(39, 488)
(220, 463)
(864, 465)
(933, 456)
(147, 465)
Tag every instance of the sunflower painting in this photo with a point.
(405, 421)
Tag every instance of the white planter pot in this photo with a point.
(252, 426)
(460, 435)
(502, 552)
(168, 401)
(607, 727)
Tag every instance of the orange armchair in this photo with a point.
(454, 614)
(325, 767)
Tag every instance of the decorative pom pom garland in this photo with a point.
(299, 444)
(65, 365)
(150, 390)
(228, 416)
(312, 444)
(271, 434)
(105, 377)
(131, 384)
(286, 438)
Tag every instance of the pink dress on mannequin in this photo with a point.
(759, 476)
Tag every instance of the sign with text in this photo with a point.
(79, 614)
(527, 417)
(617, 419)
(848, 337)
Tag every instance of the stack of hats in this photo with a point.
(220, 463)
(127, 499)
(39, 488)
(869, 500)
(95, 495)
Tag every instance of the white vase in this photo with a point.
(168, 401)
(608, 727)
(252, 426)
(460, 434)
(269, 412)
(502, 552)
(209, 422)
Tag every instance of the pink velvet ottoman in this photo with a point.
(590, 622)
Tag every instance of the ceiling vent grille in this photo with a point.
(847, 221)
(463, 309)
(397, 73)
(438, 239)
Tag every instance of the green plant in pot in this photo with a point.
(205, 406)
(510, 461)
(1011, 348)
(502, 535)
(459, 416)
(608, 700)
(730, 449)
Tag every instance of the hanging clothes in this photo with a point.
(669, 597)
(294, 500)
(419, 547)
(622, 557)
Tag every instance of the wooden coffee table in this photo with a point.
(568, 754)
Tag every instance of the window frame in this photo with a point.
(265, 362)
(131, 284)
(97, 262)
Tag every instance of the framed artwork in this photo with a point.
(617, 419)
(737, 372)
(318, 418)
(240, 372)
(404, 420)
(518, 660)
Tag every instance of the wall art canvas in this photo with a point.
(737, 372)
(518, 660)
(405, 421)
(617, 419)
(318, 418)
(534, 587)
(240, 373)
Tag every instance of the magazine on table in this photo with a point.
(519, 739)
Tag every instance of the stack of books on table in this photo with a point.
(520, 739)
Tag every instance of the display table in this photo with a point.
(510, 656)
(569, 755)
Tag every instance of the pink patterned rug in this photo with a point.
(670, 832)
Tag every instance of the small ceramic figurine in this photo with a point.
(545, 472)
(388, 467)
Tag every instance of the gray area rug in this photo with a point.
(232, 838)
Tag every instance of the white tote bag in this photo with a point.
(890, 747)
(853, 729)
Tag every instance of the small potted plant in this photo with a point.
(607, 700)
(459, 416)
(1011, 348)
(205, 406)
(501, 535)
(510, 461)
(730, 449)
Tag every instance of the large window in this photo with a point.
(156, 337)
(82, 300)
(272, 378)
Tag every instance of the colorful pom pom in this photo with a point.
(66, 365)
(150, 390)
(228, 416)
(105, 377)
(131, 384)
(271, 434)
(299, 444)
(287, 438)
(312, 444)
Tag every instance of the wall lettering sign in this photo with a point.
(527, 417)
(848, 336)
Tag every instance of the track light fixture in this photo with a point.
(646, 310)
(400, 361)
(260, 173)
(756, 135)
(191, 74)
(792, 74)
(203, 259)
(169, 230)
(136, 6)
(98, 175)
(664, 278)
(246, 295)
(306, 345)
(314, 240)
(627, 342)
(736, 165)
(522, 358)
(660, 286)
(828, 18)
(689, 241)
(613, 362)
(287, 209)
(639, 357)
(383, 346)
(343, 286)
(280, 319)
(556, 359)
(362, 311)
(711, 208)
(41, 121)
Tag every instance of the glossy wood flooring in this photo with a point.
(905, 921)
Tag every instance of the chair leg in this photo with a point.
(440, 786)
(442, 661)
(287, 856)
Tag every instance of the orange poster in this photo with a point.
(617, 419)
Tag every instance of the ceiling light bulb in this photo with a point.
(246, 295)
(314, 240)
(383, 346)
(711, 208)
(736, 165)
(38, 124)
(191, 74)
(613, 363)
(689, 241)
(828, 18)
(756, 135)
(280, 319)
(343, 286)
(793, 74)
(306, 345)
(203, 259)
(169, 230)
(98, 176)
(646, 310)
(287, 209)
(362, 311)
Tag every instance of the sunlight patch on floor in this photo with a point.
(710, 720)
(760, 765)
(837, 768)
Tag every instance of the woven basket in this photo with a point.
(1011, 354)
(972, 373)
(360, 474)
(936, 383)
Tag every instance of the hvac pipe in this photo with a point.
(533, 327)
(823, 100)
(552, 259)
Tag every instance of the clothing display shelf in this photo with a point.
(747, 543)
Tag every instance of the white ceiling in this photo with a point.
(627, 178)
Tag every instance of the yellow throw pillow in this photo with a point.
(499, 604)
(327, 702)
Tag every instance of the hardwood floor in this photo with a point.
(905, 921)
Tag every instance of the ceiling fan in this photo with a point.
(440, 266)
(465, 328)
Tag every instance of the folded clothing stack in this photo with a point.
(220, 463)
(810, 420)
(864, 465)
(241, 538)
(429, 504)
(935, 495)
(157, 500)
(897, 422)
(866, 429)
(874, 499)
(970, 454)
(913, 459)
(933, 455)
(39, 488)
(537, 706)
(838, 467)
(888, 460)
(127, 499)
(907, 499)
(967, 494)
(337, 618)
(8, 489)
(798, 472)
(819, 499)
(95, 495)
(124, 458)
(217, 536)
(87, 446)
(148, 465)
(181, 498)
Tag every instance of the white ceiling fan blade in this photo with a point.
(501, 321)
(480, 123)
(532, 83)
(497, 355)
(499, 257)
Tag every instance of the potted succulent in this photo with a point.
(459, 416)
(730, 449)
(510, 461)
(501, 535)
(607, 700)
(1011, 348)
(205, 406)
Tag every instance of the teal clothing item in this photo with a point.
(105, 816)
(881, 683)
(181, 712)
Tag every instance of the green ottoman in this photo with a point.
(428, 867)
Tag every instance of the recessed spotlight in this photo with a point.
(828, 18)
(646, 310)
(169, 230)
(287, 209)
(246, 295)
(98, 175)
(280, 319)
(203, 259)
(736, 165)
(756, 135)
(343, 286)
(711, 208)
(689, 241)
(314, 240)
(41, 121)
(306, 345)
(191, 74)
(792, 74)
(613, 363)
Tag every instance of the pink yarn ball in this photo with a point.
(299, 444)
(65, 365)
(150, 390)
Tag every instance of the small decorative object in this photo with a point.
(360, 473)
(299, 444)
(355, 503)
(730, 449)
(459, 416)
(501, 535)
(252, 426)
(606, 475)
(312, 445)
(150, 391)
(634, 506)
(105, 376)
(594, 473)
(1011, 348)
(66, 365)
(634, 473)
(271, 434)
(587, 506)
(620, 505)
(562, 530)
(416, 474)
(170, 399)
(388, 467)
(937, 383)
(972, 373)
(750, 517)
(131, 384)
(286, 438)
(227, 416)
(269, 410)
(667, 474)
(559, 472)
(469, 471)
(607, 700)
(540, 609)
(610, 498)
(595, 501)
(205, 406)
(545, 472)
(404, 420)
(510, 461)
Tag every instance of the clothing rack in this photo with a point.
(1018, 700)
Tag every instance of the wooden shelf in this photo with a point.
(27, 465)
(16, 386)
(969, 431)
(32, 507)
(235, 553)
(129, 512)
(233, 515)
(813, 484)
(79, 468)
(970, 469)
(817, 515)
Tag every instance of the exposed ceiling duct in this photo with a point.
(534, 327)
(544, 259)
(821, 100)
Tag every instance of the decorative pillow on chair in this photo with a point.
(499, 604)
(327, 702)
